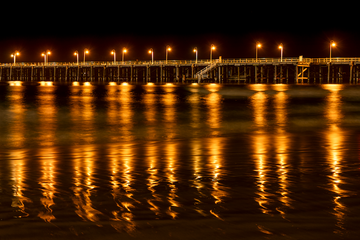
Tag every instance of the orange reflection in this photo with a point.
(196, 153)
(127, 176)
(171, 168)
(280, 87)
(258, 87)
(121, 181)
(46, 83)
(150, 101)
(280, 105)
(15, 83)
(18, 169)
(219, 192)
(213, 87)
(126, 112)
(169, 100)
(259, 101)
(213, 102)
(82, 113)
(260, 142)
(335, 137)
(150, 87)
(47, 115)
(84, 183)
(333, 113)
(17, 127)
(47, 182)
(195, 100)
(113, 112)
(281, 143)
(153, 179)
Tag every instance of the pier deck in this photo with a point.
(243, 70)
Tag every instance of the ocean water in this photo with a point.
(259, 161)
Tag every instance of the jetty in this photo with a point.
(242, 70)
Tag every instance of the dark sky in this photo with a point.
(234, 27)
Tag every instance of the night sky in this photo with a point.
(233, 27)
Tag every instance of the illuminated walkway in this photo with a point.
(243, 70)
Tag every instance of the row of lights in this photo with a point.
(113, 52)
(281, 47)
(168, 49)
(49, 83)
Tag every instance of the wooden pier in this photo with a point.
(245, 70)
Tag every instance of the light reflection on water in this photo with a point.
(153, 178)
(335, 139)
(123, 155)
(18, 170)
(282, 145)
(84, 186)
(16, 113)
(47, 182)
(219, 193)
(168, 102)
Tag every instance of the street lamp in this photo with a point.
(332, 44)
(196, 54)
(211, 50)
(281, 47)
(123, 54)
(258, 45)
(14, 56)
(46, 56)
(76, 53)
(151, 51)
(86, 51)
(113, 52)
(168, 49)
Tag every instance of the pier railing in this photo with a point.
(293, 60)
(110, 63)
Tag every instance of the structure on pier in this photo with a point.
(245, 70)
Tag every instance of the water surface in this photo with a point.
(179, 162)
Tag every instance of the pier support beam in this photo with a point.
(351, 72)
(275, 73)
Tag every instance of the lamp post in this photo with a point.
(168, 49)
(14, 56)
(212, 47)
(281, 47)
(46, 56)
(151, 51)
(123, 55)
(113, 52)
(196, 54)
(86, 51)
(258, 45)
(332, 44)
(76, 53)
